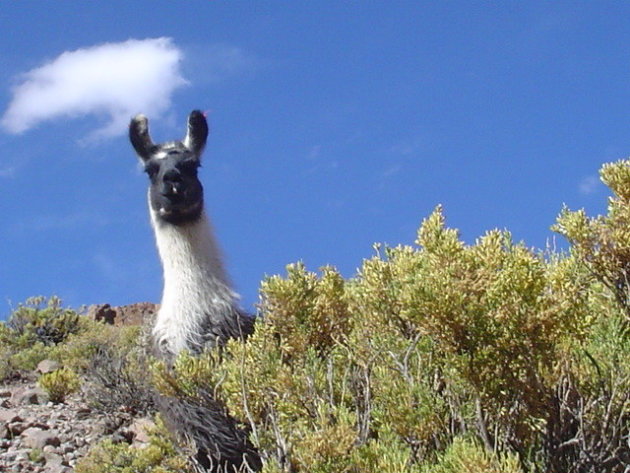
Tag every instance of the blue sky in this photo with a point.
(334, 125)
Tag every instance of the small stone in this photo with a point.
(101, 427)
(29, 396)
(58, 468)
(52, 458)
(21, 455)
(83, 413)
(10, 415)
(34, 437)
(47, 366)
(50, 449)
(16, 428)
(9, 457)
(139, 428)
(39, 425)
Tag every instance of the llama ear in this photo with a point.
(139, 137)
(197, 133)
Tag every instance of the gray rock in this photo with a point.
(9, 456)
(99, 427)
(47, 366)
(58, 469)
(34, 437)
(140, 428)
(51, 449)
(10, 415)
(29, 396)
(52, 459)
(22, 455)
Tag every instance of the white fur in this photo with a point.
(196, 288)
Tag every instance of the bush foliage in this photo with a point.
(59, 384)
(437, 357)
(159, 456)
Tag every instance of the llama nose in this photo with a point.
(172, 183)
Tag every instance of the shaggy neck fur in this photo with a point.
(197, 300)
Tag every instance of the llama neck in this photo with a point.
(197, 295)
(189, 250)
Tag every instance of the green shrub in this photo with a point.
(113, 362)
(430, 342)
(36, 455)
(439, 357)
(28, 358)
(466, 456)
(602, 243)
(159, 456)
(59, 384)
(43, 320)
(435, 358)
(33, 332)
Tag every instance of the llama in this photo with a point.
(199, 309)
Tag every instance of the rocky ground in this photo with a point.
(39, 436)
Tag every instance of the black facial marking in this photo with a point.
(175, 193)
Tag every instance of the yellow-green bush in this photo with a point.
(41, 319)
(602, 243)
(466, 456)
(33, 332)
(59, 384)
(438, 357)
(159, 456)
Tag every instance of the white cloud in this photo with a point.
(117, 80)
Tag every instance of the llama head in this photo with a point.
(175, 193)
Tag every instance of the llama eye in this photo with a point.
(151, 169)
(189, 166)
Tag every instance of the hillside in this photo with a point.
(38, 435)
(440, 357)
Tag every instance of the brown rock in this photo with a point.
(136, 314)
(132, 314)
(102, 312)
(14, 429)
